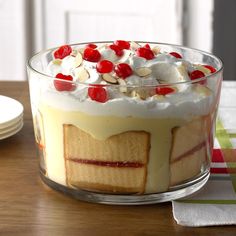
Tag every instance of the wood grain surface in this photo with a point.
(29, 207)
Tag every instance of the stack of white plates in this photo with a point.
(11, 117)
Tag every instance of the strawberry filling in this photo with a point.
(191, 151)
(108, 163)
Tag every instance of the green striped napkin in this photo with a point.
(215, 204)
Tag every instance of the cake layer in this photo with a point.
(39, 128)
(187, 167)
(117, 164)
(40, 139)
(101, 128)
(188, 137)
(130, 146)
(103, 178)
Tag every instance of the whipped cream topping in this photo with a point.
(184, 100)
(165, 68)
(184, 105)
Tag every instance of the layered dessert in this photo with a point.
(124, 117)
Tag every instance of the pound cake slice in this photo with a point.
(40, 139)
(187, 167)
(117, 164)
(188, 151)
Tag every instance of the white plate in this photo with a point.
(11, 123)
(9, 134)
(11, 127)
(11, 111)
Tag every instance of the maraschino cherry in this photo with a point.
(211, 68)
(62, 52)
(63, 85)
(91, 54)
(104, 66)
(118, 51)
(197, 74)
(145, 53)
(91, 45)
(123, 70)
(164, 90)
(122, 44)
(176, 55)
(98, 93)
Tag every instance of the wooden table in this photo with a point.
(28, 207)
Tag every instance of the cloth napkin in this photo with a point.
(215, 203)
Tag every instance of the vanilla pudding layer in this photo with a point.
(158, 122)
(102, 127)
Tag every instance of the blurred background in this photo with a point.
(28, 26)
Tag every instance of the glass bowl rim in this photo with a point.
(30, 67)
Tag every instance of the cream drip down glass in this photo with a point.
(126, 124)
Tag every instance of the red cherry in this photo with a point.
(92, 55)
(91, 45)
(104, 66)
(175, 54)
(164, 90)
(122, 44)
(97, 93)
(196, 74)
(147, 46)
(145, 52)
(119, 52)
(211, 68)
(64, 86)
(62, 52)
(123, 70)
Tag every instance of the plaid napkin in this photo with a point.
(215, 204)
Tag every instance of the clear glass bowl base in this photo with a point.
(174, 193)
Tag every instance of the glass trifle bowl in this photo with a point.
(124, 122)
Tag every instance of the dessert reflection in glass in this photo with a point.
(125, 122)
